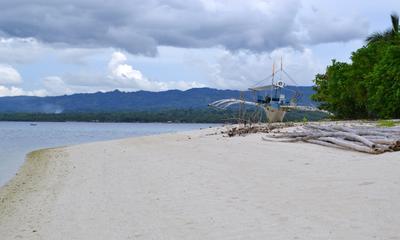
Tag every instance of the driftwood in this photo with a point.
(350, 145)
(349, 136)
(243, 130)
(323, 143)
(372, 139)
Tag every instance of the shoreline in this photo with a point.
(22, 138)
(30, 174)
(195, 185)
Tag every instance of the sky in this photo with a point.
(59, 47)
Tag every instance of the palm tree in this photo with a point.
(395, 23)
(388, 34)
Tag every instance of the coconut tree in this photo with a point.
(388, 34)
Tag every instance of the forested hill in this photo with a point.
(116, 101)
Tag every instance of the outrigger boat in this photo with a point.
(270, 97)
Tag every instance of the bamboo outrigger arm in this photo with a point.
(225, 103)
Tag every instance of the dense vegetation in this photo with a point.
(183, 116)
(369, 86)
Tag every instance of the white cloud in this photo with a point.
(9, 75)
(227, 70)
(316, 25)
(16, 50)
(20, 50)
(9, 78)
(54, 85)
(118, 75)
(123, 75)
(15, 91)
(243, 69)
(78, 56)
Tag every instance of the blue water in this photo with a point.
(19, 138)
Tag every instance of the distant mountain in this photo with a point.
(117, 101)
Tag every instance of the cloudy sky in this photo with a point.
(69, 46)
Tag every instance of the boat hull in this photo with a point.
(274, 115)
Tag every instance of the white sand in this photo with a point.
(193, 186)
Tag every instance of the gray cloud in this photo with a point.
(139, 27)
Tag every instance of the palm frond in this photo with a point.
(380, 36)
(387, 35)
(374, 37)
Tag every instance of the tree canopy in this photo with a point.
(369, 86)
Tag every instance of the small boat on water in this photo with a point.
(33, 124)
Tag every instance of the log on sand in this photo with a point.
(357, 138)
(350, 145)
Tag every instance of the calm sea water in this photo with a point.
(19, 138)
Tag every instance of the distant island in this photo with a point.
(190, 106)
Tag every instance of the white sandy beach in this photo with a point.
(198, 186)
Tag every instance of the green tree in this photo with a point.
(384, 85)
(369, 87)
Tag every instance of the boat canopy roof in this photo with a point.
(261, 88)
